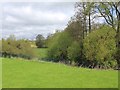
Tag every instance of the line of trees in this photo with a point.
(84, 44)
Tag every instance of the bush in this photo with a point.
(16, 48)
(74, 52)
(58, 49)
(100, 48)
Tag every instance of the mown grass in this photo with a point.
(19, 73)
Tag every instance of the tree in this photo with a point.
(117, 8)
(86, 12)
(39, 41)
(75, 29)
(58, 48)
(100, 48)
(81, 16)
(74, 52)
(107, 10)
(111, 11)
(90, 12)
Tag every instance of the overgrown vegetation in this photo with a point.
(16, 48)
(100, 48)
(88, 45)
(58, 49)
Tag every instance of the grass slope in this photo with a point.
(18, 73)
(40, 52)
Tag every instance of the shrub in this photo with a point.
(100, 48)
(16, 48)
(74, 52)
(58, 49)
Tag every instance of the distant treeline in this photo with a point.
(16, 48)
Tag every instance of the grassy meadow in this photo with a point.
(40, 52)
(20, 73)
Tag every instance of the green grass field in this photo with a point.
(40, 52)
(19, 73)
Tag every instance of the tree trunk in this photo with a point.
(118, 42)
(84, 16)
(89, 23)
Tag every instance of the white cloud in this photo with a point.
(29, 19)
(31, 16)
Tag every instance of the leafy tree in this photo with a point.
(39, 41)
(58, 49)
(111, 11)
(74, 52)
(100, 48)
(81, 16)
(75, 29)
(85, 12)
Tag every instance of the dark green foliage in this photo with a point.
(40, 41)
(74, 51)
(67, 46)
(75, 29)
(97, 50)
(100, 48)
(16, 48)
(58, 49)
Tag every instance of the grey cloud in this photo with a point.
(29, 19)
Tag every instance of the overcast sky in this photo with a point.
(26, 20)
